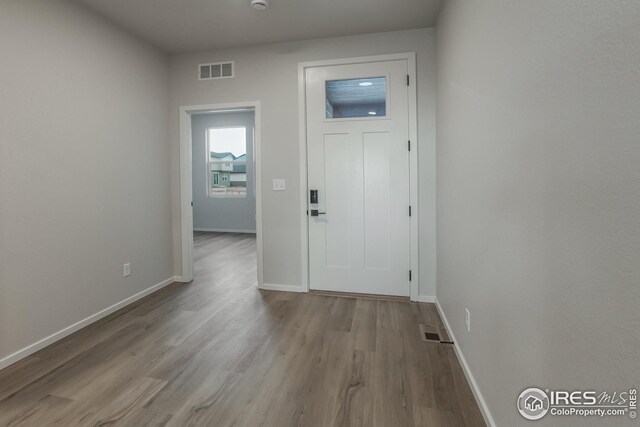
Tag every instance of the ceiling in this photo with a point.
(357, 91)
(179, 26)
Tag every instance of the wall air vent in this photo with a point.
(218, 70)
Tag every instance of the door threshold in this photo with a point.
(361, 296)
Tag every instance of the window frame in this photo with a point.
(224, 163)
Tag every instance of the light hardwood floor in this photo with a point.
(218, 352)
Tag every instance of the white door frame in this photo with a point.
(186, 185)
(410, 57)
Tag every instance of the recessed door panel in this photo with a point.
(337, 200)
(377, 215)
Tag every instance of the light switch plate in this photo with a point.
(279, 184)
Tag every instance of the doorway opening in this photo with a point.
(223, 173)
(221, 212)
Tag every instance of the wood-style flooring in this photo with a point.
(218, 352)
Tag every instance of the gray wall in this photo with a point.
(220, 214)
(269, 74)
(539, 195)
(84, 179)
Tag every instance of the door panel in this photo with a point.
(377, 206)
(359, 164)
(337, 173)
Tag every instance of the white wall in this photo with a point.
(84, 180)
(539, 195)
(268, 74)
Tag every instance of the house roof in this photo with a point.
(222, 155)
(240, 168)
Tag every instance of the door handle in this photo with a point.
(315, 212)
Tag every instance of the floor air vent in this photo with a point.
(428, 336)
(433, 333)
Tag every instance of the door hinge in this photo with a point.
(409, 145)
(409, 275)
(192, 203)
(408, 80)
(409, 210)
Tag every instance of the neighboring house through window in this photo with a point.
(227, 162)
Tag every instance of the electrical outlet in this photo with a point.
(468, 320)
(126, 270)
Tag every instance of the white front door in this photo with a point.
(358, 162)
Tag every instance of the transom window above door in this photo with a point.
(362, 97)
(227, 162)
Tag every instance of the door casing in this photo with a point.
(186, 185)
(410, 57)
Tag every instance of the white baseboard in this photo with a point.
(29, 350)
(224, 230)
(284, 288)
(426, 298)
(484, 409)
